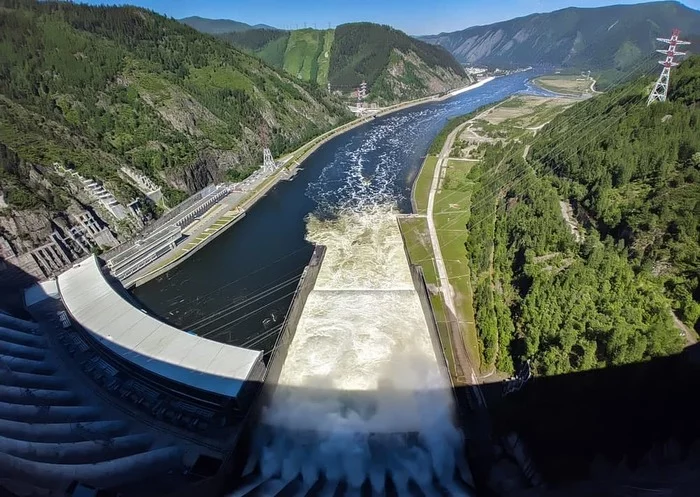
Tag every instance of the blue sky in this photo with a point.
(412, 16)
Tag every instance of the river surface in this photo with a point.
(238, 288)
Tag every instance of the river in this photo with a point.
(238, 288)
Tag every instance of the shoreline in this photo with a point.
(291, 163)
(579, 96)
(472, 86)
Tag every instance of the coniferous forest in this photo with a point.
(631, 174)
(97, 88)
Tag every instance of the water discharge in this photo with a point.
(361, 397)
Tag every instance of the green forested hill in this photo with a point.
(640, 179)
(394, 65)
(218, 26)
(610, 40)
(98, 88)
(632, 175)
(144, 89)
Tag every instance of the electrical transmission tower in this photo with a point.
(268, 161)
(661, 87)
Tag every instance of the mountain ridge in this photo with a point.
(611, 39)
(220, 26)
(394, 66)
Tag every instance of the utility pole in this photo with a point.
(660, 90)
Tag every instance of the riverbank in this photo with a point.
(570, 86)
(299, 155)
(442, 194)
(236, 209)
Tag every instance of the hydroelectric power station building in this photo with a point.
(97, 396)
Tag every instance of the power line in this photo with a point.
(570, 118)
(495, 177)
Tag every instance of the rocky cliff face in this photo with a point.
(408, 77)
(88, 92)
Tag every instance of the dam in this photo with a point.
(362, 403)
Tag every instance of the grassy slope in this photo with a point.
(452, 213)
(421, 188)
(305, 52)
(420, 252)
(273, 52)
(324, 58)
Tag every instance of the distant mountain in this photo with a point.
(610, 39)
(394, 65)
(219, 26)
(102, 89)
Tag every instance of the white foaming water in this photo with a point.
(361, 395)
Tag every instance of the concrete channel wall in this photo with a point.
(279, 352)
(424, 296)
(237, 458)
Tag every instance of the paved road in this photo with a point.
(445, 286)
(462, 356)
(690, 336)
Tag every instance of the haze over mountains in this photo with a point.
(610, 39)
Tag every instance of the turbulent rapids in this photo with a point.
(361, 400)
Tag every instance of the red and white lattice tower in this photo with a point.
(661, 87)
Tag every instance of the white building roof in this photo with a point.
(147, 342)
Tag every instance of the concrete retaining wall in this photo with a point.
(306, 284)
(424, 296)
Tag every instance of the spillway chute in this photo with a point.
(361, 401)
